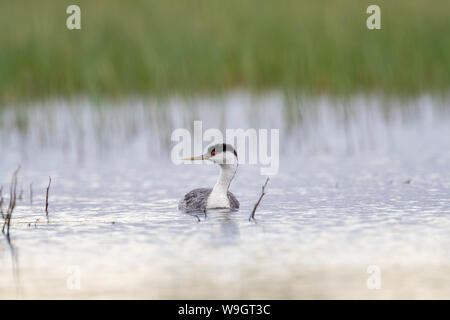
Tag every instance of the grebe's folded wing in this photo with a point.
(234, 203)
(195, 200)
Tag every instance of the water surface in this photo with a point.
(363, 181)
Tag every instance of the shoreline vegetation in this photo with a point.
(163, 48)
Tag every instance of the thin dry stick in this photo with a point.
(46, 197)
(1, 202)
(20, 197)
(31, 193)
(252, 215)
(12, 201)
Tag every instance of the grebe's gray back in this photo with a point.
(202, 199)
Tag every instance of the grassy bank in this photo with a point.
(159, 47)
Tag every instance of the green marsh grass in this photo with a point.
(164, 47)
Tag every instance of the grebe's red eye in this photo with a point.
(213, 152)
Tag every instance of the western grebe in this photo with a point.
(202, 199)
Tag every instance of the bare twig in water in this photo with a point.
(46, 197)
(31, 193)
(1, 202)
(20, 197)
(252, 215)
(12, 201)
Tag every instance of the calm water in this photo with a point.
(362, 182)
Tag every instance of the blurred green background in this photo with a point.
(164, 47)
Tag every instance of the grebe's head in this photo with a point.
(221, 154)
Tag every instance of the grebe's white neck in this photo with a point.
(218, 197)
(227, 172)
